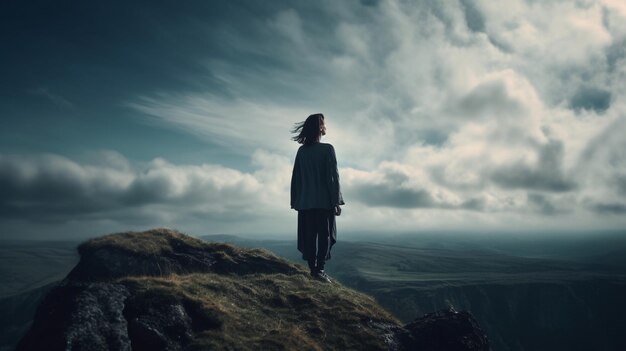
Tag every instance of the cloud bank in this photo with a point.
(512, 107)
(445, 114)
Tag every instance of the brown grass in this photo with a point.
(162, 240)
(276, 311)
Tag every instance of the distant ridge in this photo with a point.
(222, 237)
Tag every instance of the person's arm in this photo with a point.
(295, 181)
(333, 178)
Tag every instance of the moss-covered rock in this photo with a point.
(161, 252)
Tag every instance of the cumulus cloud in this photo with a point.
(610, 208)
(591, 98)
(444, 106)
(394, 185)
(384, 195)
(443, 113)
(53, 188)
(545, 175)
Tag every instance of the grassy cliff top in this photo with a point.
(152, 242)
(269, 311)
(161, 251)
(260, 301)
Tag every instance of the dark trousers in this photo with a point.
(316, 228)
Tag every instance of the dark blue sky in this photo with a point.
(69, 68)
(445, 115)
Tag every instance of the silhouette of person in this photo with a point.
(315, 194)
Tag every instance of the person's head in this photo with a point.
(311, 130)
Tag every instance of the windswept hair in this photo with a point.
(308, 132)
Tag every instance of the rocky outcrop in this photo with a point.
(163, 290)
(161, 252)
(444, 330)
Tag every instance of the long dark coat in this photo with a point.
(315, 185)
(310, 222)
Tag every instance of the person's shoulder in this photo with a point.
(330, 149)
(328, 146)
(299, 152)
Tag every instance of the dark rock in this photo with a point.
(390, 332)
(80, 317)
(444, 330)
(108, 316)
(157, 323)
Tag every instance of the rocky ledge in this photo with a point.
(164, 290)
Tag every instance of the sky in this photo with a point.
(456, 115)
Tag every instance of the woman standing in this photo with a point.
(315, 194)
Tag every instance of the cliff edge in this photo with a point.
(164, 290)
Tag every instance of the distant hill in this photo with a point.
(163, 290)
